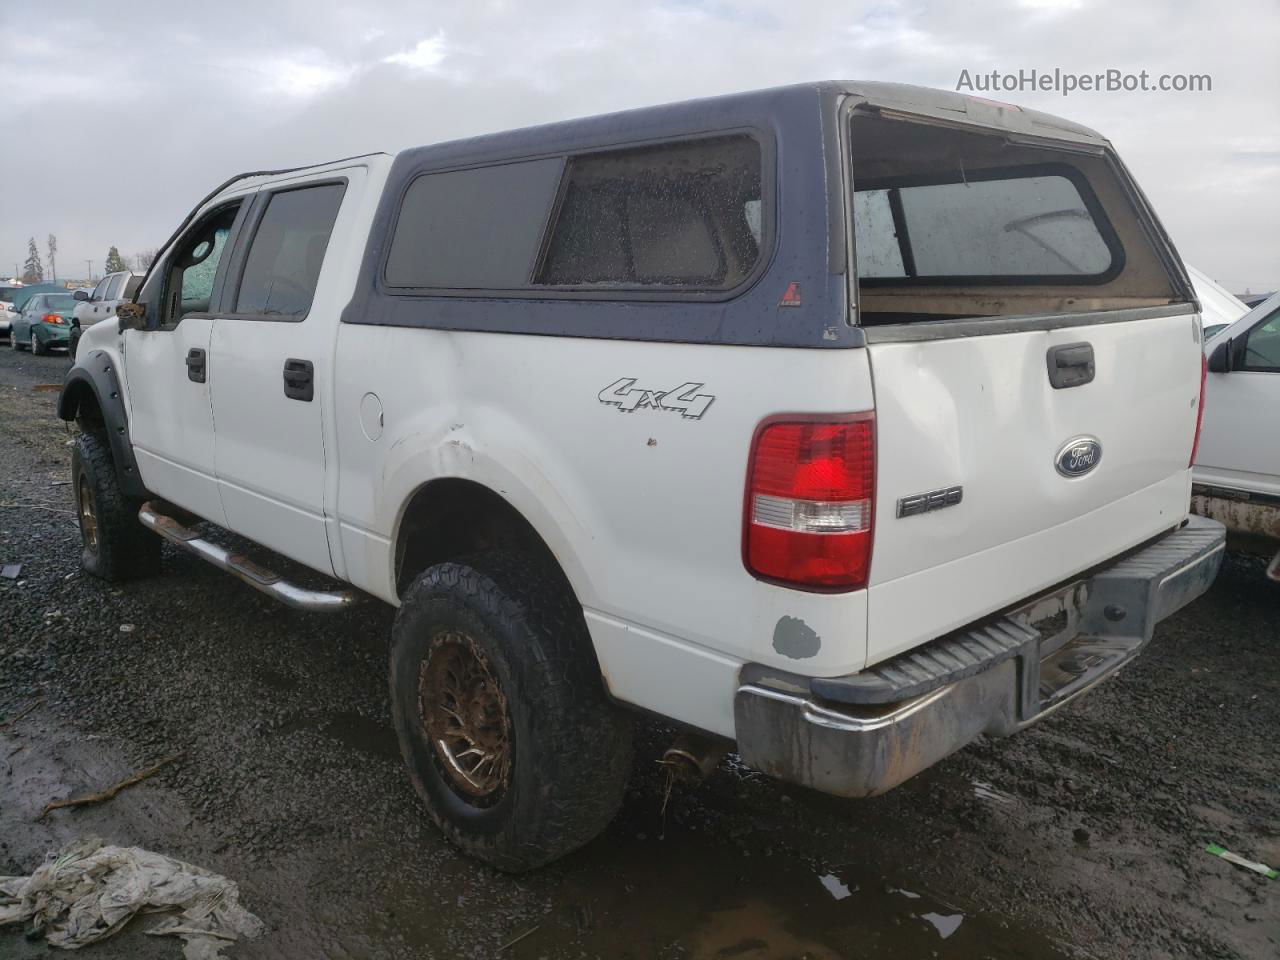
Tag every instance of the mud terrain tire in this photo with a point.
(567, 752)
(116, 546)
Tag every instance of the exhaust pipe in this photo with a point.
(694, 756)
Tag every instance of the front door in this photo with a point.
(168, 373)
(273, 345)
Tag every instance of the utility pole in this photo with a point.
(90, 263)
(53, 257)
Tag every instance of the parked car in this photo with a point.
(1237, 468)
(14, 298)
(6, 311)
(610, 410)
(1218, 307)
(100, 302)
(44, 323)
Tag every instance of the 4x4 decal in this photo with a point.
(684, 399)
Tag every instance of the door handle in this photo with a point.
(196, 368)
(299, 380)
(1070, 365)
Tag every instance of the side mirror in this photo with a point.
(131, 316)
(80, 295)
(1220, 359)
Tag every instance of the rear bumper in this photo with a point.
(861, 735)
(50, 336)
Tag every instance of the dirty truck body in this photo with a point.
(852, 420)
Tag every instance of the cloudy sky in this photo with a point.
(120, 117)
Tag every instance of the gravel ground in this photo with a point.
(1080, 837)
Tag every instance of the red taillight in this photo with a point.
(52, 318)
(811, 502)
(1204, 374)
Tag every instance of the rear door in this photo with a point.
(1037, 383)
(273, 346)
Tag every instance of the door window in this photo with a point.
(195, 267)
(114, 287)
(284, 260)
(1262, 346)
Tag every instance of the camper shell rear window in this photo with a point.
(952, 222)
(1026, 225)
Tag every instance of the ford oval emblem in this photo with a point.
(1078, 456)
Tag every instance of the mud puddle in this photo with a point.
(690, 897)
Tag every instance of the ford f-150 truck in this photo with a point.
(838, 424)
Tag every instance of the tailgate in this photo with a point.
(979, 413)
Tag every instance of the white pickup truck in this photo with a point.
(1237, 468)
(838, 424)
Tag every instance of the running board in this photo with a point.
(267, 581)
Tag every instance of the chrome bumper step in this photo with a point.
(258, 577)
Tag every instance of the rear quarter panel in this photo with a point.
(643, 509)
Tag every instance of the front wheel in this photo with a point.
(501, 713)
(14, 343)
(115, 544)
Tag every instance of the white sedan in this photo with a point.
(1237, 467)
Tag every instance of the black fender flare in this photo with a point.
(94, 375)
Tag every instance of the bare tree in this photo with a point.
(53, 258)
(143, 260)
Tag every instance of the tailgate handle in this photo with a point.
(1070, 365)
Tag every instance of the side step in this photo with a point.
(267, 581)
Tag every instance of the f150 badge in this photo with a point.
(1078, 456)
(684, 399)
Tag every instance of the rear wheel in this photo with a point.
(38, 348)
(500, 710)
(115, 545)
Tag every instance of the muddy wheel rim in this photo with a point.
(465, 717)
(88, 516)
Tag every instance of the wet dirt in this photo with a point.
(1080, 837)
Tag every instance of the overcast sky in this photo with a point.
(121, 116)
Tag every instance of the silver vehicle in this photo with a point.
(113, 289)
(100, 304)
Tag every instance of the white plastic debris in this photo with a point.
(87, 892)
